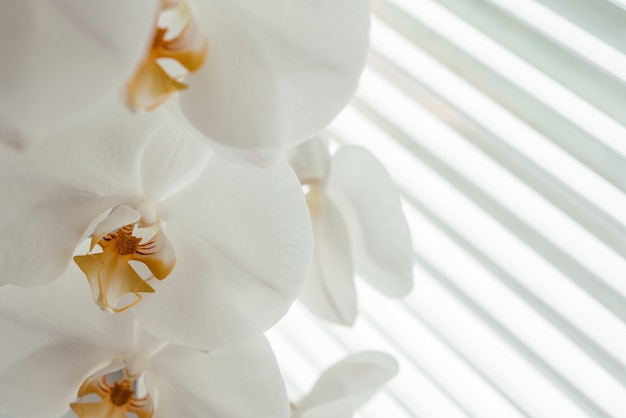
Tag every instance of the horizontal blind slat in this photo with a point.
(549, 121)
(412, 379)
(536, 269)
(555, 60)
(573, 393)
(467, 217)
(605, 19)
(583, 209)
(545, 368)
(429, 137)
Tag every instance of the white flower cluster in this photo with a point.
(163, 205)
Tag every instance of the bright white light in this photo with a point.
(509, 129)
(516, 70)
(410, 380)
(297, 370)
(502, 304)
(544, 20)
(619, 3)
(484, 233)
(527, 204)
(400, 325)
(494, 357)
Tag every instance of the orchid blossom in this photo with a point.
(283, 67)
(254, 76)
(346, 386)
(286, 68)
(207, 252)
(63, 60)
(358, 228)
(60, 352)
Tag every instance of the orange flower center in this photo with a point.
(151, 84)
(115, 400)
(126, 243)
(112, 277)
(121, 393)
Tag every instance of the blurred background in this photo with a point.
(503, 124)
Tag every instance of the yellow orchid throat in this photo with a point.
(151, 85)
(314, 195)
(116, 400)
(110, 274)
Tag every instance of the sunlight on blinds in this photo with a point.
(502, 124)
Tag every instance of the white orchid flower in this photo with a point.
(358, 227)
(267, 74)
(346, 386)
(285, 68)
(59, 352)
(234, 243)
(63, 59)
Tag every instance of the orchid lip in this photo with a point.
(313, 191)
(152, 84)
(116, 399)
(116, 286)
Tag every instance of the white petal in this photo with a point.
(379, 234)
(98, 156)
(39, 233)
(329, 288)
(243, 244)
(62, 310)
(311, 160)
(53, 338)
(347, 385)
(62, 59)
(43, 383)
(277, 71)
(173, 158)
(19, 342)
(250, 158)
(254, 158)
(55, 189)
(119, 217)
(14, 139)
(241, 381)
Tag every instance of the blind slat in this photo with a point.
(606, 157)
(497, 142)
(583, 209)
(427, 135)
(391, 158)
(605, 19)
(502, 124)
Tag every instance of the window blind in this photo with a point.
(503, 125)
